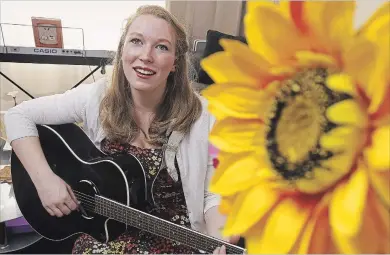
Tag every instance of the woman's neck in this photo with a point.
(147, 102)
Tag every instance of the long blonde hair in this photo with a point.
(180, 106)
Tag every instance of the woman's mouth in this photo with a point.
(144, 72)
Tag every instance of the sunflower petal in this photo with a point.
(226, 205)
(377, 29)
(330, 171)
(225, 157)
(378, 155)
(315, 181)
(242, 51)
(339, 165)
(347, 112)
(338, 138)
(296, 9)
(317, 220)
(218, 112)
(222, 69)
(378, 85)
(250, 210)
(373, 32)
(253, 238)
(288, 212)
(359, 245)
(237, 173)
(381, 116)
(310, 20)
(331, 22)
(381, 184)
(266, 40)
(237, 100)
(381, 213)
(310, 59)
(320, 179)
(360, 51)
(370, 28)
(231, 217)
(368, 239)
(281, 7)
(249, 62)
(341, 83)
(348, 204)
(339, 18)
(321, 242)
(380, 80)
(236, 135)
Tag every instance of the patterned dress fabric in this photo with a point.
(170, 205)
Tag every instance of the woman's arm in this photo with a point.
(21, 120)
(214, 222)
(56, 196)
(21, 130)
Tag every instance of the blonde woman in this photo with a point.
(148, 96)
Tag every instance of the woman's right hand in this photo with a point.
(56, 196)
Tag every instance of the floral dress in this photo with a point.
(170, 205)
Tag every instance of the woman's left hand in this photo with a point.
(222, 249)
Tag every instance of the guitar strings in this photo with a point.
(90, 203)
(198, 243)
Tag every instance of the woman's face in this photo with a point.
(149, 53)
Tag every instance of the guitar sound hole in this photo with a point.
(85, 193)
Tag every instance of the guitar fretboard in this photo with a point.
(160, 227)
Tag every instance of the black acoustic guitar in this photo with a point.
(112, 191)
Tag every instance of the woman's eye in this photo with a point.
(135, 41)
(162, 47)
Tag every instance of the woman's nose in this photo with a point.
(146, 54)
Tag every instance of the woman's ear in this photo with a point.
(174, 64)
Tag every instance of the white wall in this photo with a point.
(101, 21)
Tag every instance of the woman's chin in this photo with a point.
(143, 86)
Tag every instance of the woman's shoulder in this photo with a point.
(89, 91)
(95, 90)
(99, 86)
(205, 121)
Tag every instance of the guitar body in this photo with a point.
(112, 190)
(89, 172)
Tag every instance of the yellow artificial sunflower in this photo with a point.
(303, 129)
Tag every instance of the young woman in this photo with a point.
(135, 112)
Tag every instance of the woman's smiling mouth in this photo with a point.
(144, 71)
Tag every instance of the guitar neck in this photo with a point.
(160, 227)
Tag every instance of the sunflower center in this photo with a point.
(303, 118)
(296, 122)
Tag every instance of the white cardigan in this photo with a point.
(81, 104)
